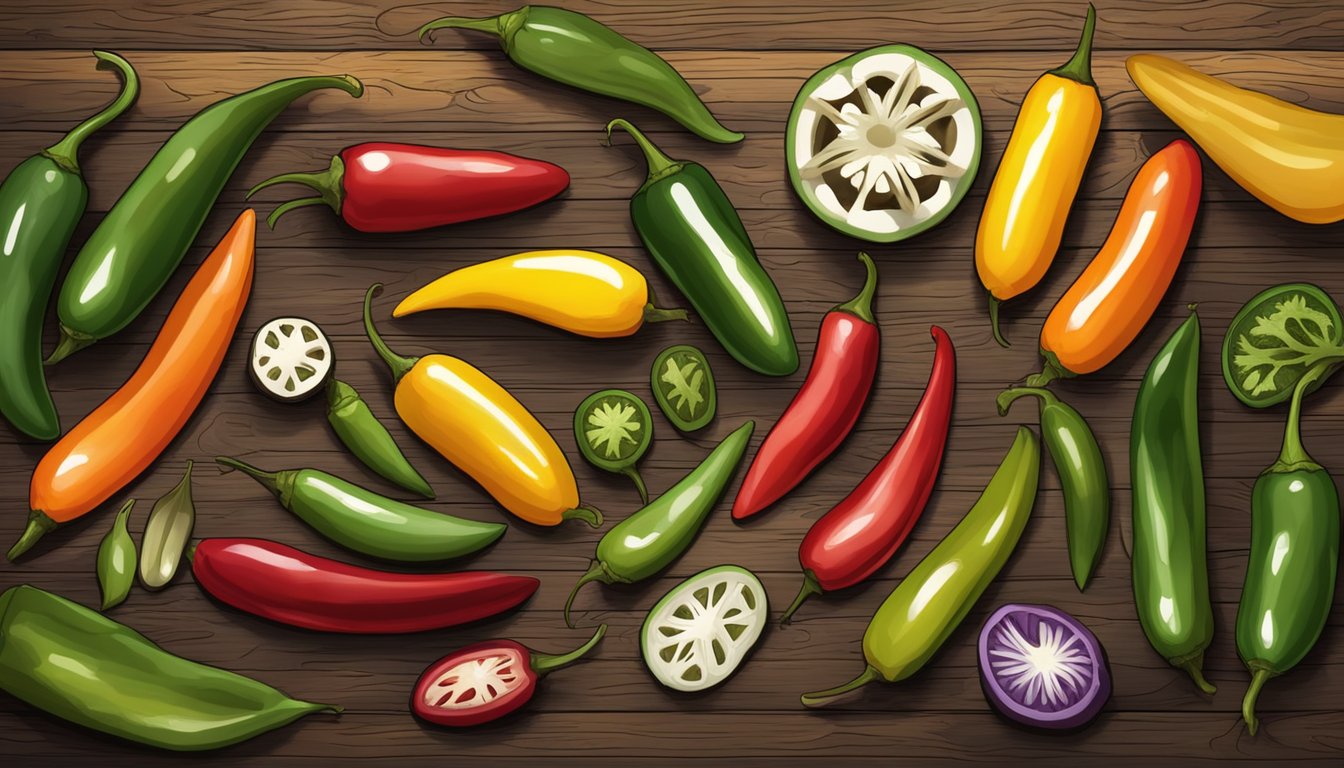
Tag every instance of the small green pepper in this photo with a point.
(614, 430)
(167, 532)
(369, 440)
(116, 560)
(683, 387)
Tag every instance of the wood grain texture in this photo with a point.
(747, 59)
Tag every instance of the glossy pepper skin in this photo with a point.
(483, 430)
(141, 241)
(1110, 302)
(283, 584)
(826, 407)
(693, 232)
(367, 438)
(1038, 178)
(649, 540)
(862, 533)
(41, 201)
(83, 667)
(361, 520)
(1169, 558)
(128, 431)
(1082, 474)
(578, 51)
(388, 187)
(1288, 156)
(583, 292)
(929, 604)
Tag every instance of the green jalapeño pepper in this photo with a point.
(691, 228)
(141, 241)
(649, 540)
(1170, 571)
(40, 203)
(369, 440)
(929, 604)
(362, 521)
(81, 666)
(573, 49)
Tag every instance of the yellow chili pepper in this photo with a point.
(483, 430)
(1034, 186)
(582, 292)
(1290, 157)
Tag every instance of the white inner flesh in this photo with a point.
(1052, 672)
(474, 682)
(291, 356)
(696, 640)
(885, 145)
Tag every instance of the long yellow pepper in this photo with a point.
(1034, 186)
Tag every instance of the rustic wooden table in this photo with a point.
(747, 58)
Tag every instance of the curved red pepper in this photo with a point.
(849, 543)
(283, 584)
(387, 187)
(826, 406)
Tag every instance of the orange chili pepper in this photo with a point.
(124, 435)
(1110, 302)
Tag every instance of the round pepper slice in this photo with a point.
(1276, 338)
(683, 386)
(614, 429)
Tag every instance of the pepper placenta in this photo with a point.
(483, 430)
(367, 438)
(1038, 178)
(283, 584)
(116, 560)
(361, 520)
(695, 235)
(929, 604)
(583, 292)
(826, 407)
(83, 667)
(128, 431)
(849, 543)
(141, 241)
(1170, 570)
(649, 540)
(578, 51)
(387, 187)
(41, 201)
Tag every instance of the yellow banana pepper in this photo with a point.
(1034, 186)
(483, 430)
(1290, 157)
(582, 292)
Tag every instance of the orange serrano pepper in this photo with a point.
(1110, 302)
(124, 435)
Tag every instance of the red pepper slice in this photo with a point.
(284, 584)
(826, 406)
(486, 681)
(388, 187)
(849, 543)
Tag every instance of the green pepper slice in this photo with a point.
(683, 386)
(614, 430)
(1276, 338)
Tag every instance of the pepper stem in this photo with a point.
(654, 314)
(399, 365)
(1050, 370)
(1007, 397)
(268, 480)
(585, 512)
(328, 184)
(821, 698)
(1079, 67)
(1293, 456)
(634, 476)
(543, 664)
(66, 151)
(597, 571)
(660, 165)
(1193, 668)
(994, 320)
(39, 525)
(1258, 679)
(70, 343)
(861, 306)
(503, 26)
(810, 588)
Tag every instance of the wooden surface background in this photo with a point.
(747, 58)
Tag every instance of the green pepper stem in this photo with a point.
(1258, 680)
(821, 698)
(503, 26)
(1193, 667)
(70, 343)
(329, 185)
(66, 151)
(340, 395)
(585, 512)
(634, 476)
(268, 480)
(543, 664)
(861, 306)
(1050, 370)
(1293, 456)
(1007, 397)
(810, 587)
(994, 320)
(1079, 67)
(654, 314)
(399, 365)
(39, 525)
(660, 165)
(597, 571)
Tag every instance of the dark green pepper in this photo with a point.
(694, 233)
(83, 667)
(362, 521)
(142, 240)
(116, 560)
(649, 540)
(573, 49)
(369, 440)
(1082, 474)
(40, 204)
(683, 387)
(1170, 570)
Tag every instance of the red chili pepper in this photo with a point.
(385, 187)
(825, 408)
(283, 584)
(486, 681)
(849, 543)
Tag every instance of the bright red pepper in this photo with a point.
(849, 543)
(486, 681)
(283, 584)
(825, 408)
(386, 187)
